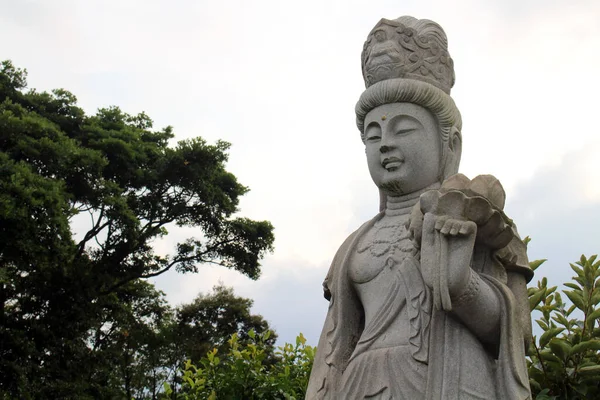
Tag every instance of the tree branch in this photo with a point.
(196, 256)
(145, 276)
(97, 228)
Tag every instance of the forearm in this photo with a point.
(478, 307)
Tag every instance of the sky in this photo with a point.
(279, 80)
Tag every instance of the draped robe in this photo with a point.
(450, 361)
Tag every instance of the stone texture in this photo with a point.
(428, 299)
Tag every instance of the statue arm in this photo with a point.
(478, 306)
(447, 253)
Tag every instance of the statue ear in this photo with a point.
(454, 152)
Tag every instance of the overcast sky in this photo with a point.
(279, 80)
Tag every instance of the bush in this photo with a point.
(564, 362)
(245, 372)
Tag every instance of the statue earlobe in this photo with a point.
(454, 152)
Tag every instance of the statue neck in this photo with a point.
(402, 204)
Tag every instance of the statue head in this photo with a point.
(406, 61)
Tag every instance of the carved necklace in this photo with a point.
(389, 241)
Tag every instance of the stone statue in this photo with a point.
(427, 300)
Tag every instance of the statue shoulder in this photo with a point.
(340, 255)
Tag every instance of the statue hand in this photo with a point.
(446, 251)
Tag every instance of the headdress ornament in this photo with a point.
(419, 52)
(407, 60)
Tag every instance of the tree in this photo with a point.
(210, 320)
(62, 279)
(564, 363)
(129, 351)
(208, 323)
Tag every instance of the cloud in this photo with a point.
(289, 294)
(559, 208)
(279, 80)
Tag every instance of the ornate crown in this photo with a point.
(393, 50)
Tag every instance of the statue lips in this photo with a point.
(391, 163)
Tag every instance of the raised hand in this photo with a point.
(446, 250)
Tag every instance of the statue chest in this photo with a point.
(385, 245)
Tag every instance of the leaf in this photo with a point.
(536, 263)
(585, 346)
(167, 388)
(300, 340)
(561, 348)
(542, 324)
(596, 296)
(572, 286)
(582, 388)
(561, 320)
(549, 356)
(587, 272)
(576, 298)
(189, 381)
(577, 269)
(591, 370)
(535, 299)
(549, 334)
(533, 383)
(595, 315)
(558, 298)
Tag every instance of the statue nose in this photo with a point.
(387, 143)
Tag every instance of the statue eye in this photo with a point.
(373, 133)
(380, 35)
(405, 125)
(405, 131)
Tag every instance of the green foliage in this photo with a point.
(243, 373)
(209, 321)
(82, 199)
(564, 363)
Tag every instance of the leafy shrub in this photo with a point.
(244, 372)
(564, 362)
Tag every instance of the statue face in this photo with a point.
(403, 148)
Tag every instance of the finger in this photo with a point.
(441, 220)
(447, 226)
(456, 227)
(467, 227)
(464, 229)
